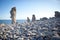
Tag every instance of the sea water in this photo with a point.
(9, 21)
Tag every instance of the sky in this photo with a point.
(26, 8)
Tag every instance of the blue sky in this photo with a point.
(26, 8)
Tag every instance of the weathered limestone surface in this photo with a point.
(37, 30)
(13, 15)
(33, 18)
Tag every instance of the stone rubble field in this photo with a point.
(38, 30)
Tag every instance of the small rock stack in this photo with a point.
(33, 18)
(28, 20)
(13, 15)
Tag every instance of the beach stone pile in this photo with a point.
(37, 30)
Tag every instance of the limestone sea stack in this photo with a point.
(33, 18)
(28, 20)
(13, 15)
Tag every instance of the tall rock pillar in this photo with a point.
(13, 15)
(33, 18)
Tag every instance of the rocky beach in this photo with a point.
(29, 19)
(43, 29)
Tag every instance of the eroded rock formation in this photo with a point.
(33, 18)
(57, 14)
(13, 15)
(28, 20)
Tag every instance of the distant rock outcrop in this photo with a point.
(13, 15)
(44, 18)
(57, 14)
(33, 18)
(28, 20)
